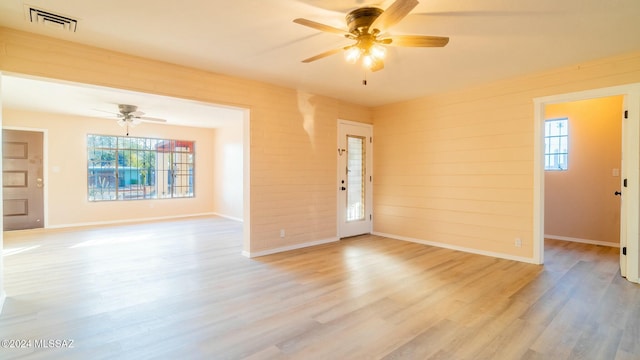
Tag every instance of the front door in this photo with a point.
(22, 180)
(355, 159)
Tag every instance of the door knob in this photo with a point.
(343, 188)
(618, 193)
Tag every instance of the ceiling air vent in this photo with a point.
(49, 19)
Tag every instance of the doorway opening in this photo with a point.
(582, 189)
(629, 169)
(66, 112)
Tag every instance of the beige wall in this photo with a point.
(2, 291)
(456, 169)
(292, 134)
(66, 183)
(579, 202)
(227, 172)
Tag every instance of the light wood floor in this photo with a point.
(181, 290)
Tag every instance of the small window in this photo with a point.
(130, 168)
(556, 144)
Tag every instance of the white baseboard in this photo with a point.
(3, 297)
(128, 221)
(459, 248)
(584, 241)
(289, 248)
(229, 217)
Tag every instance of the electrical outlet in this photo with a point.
(281, 233)
(518, 242)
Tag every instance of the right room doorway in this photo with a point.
(628, 179)
(583, 162)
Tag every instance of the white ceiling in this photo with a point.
(100, 102)
(489, 40)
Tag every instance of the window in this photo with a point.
(356, 165)
(130, 168)
(556, 144)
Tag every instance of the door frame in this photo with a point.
(45, 168)
(369, 167)
(630, 168)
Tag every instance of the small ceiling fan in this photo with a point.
(129, 116)
(367, 26)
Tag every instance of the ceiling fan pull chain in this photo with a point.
(364, 81)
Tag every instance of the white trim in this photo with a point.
(369, 168)
(229, 217)
(632, 95)
(246, 180)
(289, 248)
(583, 241)
(128, 221)
(458, 248)
(588, 94)
(538, 183)
(3, 297)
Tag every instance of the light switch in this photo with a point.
(615, 172)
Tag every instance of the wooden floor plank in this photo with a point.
(182, 289)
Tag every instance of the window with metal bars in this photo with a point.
(133, 168)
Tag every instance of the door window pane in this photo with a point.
(356, 156)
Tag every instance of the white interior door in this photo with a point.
(355, 178)
(630, 187)
(623, 184)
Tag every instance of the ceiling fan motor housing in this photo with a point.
(127, 109)
(359, 20)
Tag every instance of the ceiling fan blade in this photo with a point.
(417, 40)
(147, 118)
(108, 112)
(319, 26)
(322, 55)
(377, 66)
(394, 13)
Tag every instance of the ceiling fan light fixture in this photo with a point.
(367, 26)
(378, 52)
(373, 58)
(352, 54)
(368, 61)
(130, 121)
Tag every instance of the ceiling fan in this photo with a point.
(129, 116)
(367, 26)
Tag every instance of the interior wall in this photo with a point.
(66, 174)
(580, 202)
(292, 133)
(2, 291)
(456, 169)
(228, 172)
